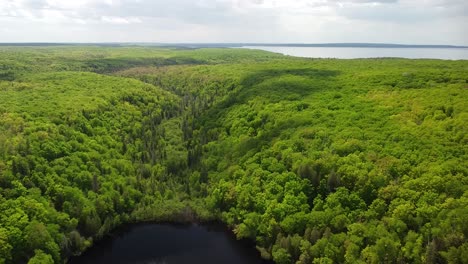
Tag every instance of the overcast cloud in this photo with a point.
(305, 21)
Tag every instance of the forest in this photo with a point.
(315, 160)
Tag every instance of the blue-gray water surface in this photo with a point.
(365, 52)
(170, 244)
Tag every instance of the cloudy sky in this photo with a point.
(301, 21)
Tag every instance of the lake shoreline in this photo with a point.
(367, 52)
(210, 226)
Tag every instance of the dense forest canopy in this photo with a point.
(315, 160)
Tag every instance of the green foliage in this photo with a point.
(41, 258)
(317, 161)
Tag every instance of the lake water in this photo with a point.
(170, 244)
(354, 53)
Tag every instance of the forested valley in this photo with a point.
(315, 160)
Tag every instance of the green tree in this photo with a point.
(41, 258)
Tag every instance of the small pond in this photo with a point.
(170, 244)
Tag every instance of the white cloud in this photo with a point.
(120, 20)
(394, 21)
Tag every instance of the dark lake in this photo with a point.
(170, 244)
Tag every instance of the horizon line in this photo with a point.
(237, 44)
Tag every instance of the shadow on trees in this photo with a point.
(287, 85)
(260, 76)
(109, 65)
(255, 85)
(274, 85)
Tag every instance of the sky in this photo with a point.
(236, 21)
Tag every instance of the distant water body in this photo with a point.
(365, 52)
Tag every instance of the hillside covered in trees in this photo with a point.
(315, 160)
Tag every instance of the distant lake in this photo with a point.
(170, 244)
(354, 53)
